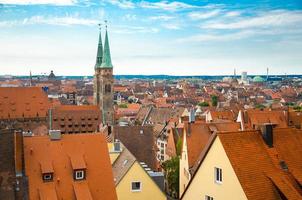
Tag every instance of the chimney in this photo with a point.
(55, 134)
(191, 116)
(267, 134)
(117, 146)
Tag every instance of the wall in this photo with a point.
(204, 181)
(184, 175)
(150, 191)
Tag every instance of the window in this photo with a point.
(218, 175)
(79, 174)
(107, 88)
(136, 186)
(208, 198)
(47, 177)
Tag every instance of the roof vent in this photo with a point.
(27, 133)
(141, 131)
(55, 134)
(117, 146)
(283, 165)
(191, 116)
(267, 134)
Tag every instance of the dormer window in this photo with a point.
(47, 177)
(79, 174)
(79, 167)
(47, 170)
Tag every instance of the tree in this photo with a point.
(214, 99)
(203, 104)
(259, 106)
(178, 146)
(171, 168)
(123, 105)
(297, 108)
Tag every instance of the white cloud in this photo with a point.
(243, 34)
(162, 17)
(130, 17)
(204, 15)
(233, 14)
(264, 20)
(133, 29)
(217, 37)
(61, 21)
(33, 2)
(166, 5)
(125, 4)
(171, 26)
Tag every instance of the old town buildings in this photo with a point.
(123, 137)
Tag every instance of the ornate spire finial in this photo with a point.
(106, 22)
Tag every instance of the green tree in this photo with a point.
(259, 106)
(214, 99)
(178, 146)
(171, 168)
(123, 105)
(203, 104)
(297, 108)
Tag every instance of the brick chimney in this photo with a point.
(267, 134)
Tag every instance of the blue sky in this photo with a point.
(152, 36)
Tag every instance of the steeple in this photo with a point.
(106, 62)
(99, 56)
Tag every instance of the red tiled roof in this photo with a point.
(259, 117)
(197, 136)
(257, 167)
(99, 178)
(23, 102)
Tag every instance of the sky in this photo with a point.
(183, 37)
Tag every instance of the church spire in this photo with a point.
(99, 56)
(106, 62)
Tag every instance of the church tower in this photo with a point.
(103, 81)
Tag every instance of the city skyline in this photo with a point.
(151, 37)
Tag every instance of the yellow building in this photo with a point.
(195, 137)
(253, 165)
(132, 181)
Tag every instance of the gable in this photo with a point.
(205, 177)
(149, 190)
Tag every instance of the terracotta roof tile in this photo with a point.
(23, 102)
(197, 136)
(47, 192)
(258, 167)
(81, 190)
(93, 147)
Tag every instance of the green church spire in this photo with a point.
(99, 56)
(106, 62)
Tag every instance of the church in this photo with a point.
(103, 81)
